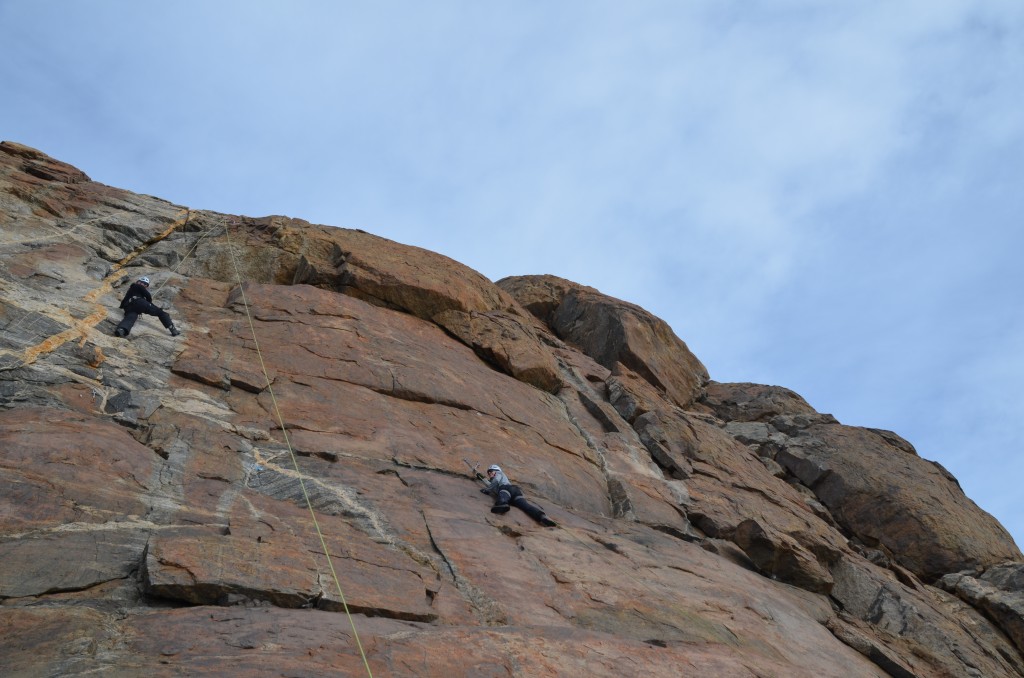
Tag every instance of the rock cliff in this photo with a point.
(284, 489)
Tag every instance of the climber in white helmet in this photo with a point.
(505, 494)
(137, 300)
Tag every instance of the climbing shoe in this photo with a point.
(119, 332)
(499, 508)
(173, 330)
(547, 522)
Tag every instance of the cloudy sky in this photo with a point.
(824, 195)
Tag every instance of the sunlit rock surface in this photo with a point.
(283, 489)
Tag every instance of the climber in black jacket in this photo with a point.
(506, 493)
(138, 300)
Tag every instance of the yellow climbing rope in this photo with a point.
(81, 327)
(291, 452)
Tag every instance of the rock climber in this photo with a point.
(138, 300)
(505, 494)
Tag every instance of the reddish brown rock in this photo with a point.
(60, 641)
(280, 562)
(889, 496)
(753, 402)
(70, 560)
(631, 395)
(60, 468)
(998, 592)
(504, 339)
(432, 287)
(613, 332)
(363, 361)
(301, 642)
(38, 164)
(781, 557)
(907, 622)
(412, 279)
(158, 493)
(733, 495)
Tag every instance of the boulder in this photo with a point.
(613, 332)
(780, 556)
(503, 339)
(901, 613)
(998, 592)
(885, 494)
(42, 166)
(753, 402)
(429, 286)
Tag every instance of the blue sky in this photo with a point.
(820, 195)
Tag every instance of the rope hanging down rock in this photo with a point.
(291, 452)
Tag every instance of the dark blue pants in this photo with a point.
(511, 494)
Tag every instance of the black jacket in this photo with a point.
(136, 289)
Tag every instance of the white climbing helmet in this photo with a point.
(144, 280)
(494, 467)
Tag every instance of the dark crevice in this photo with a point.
(672, 531)
(398, 615)
(437, 549)
(68, 589)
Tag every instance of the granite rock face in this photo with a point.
(284, 490)
(617, 334)
(998, 592)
